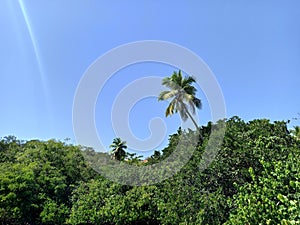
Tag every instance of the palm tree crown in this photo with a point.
(118, 147)
(183, 94)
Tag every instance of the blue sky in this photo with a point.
(252, 47)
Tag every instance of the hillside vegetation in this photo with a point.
(254, 179)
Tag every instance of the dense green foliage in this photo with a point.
(254, 179)
(37, 180)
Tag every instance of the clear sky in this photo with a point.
(252, 47)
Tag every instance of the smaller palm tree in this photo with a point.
(118, 152)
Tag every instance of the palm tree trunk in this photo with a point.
(197, 127)
(191, 117)
(194, 122)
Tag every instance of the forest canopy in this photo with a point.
(254, 179)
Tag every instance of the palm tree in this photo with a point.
(183, 94)
(118, 147)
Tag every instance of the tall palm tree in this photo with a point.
(118, 147)
(183, 94)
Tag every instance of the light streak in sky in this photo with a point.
(34, 45)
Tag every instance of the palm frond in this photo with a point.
(197, 102)
(164, 95)
(177, 78)
(191, 90)
(192, 107)
(168, 82)
(182, 111)
(170, 109)
(187, 81)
